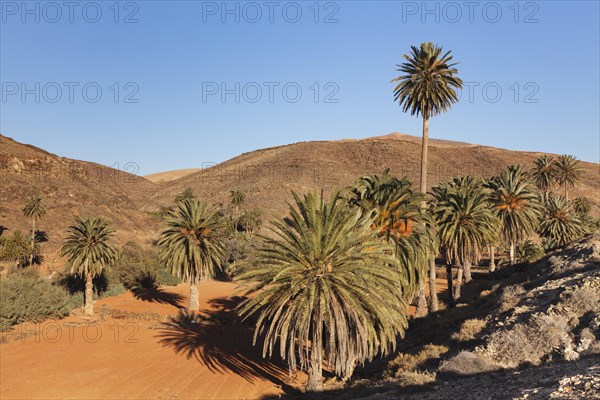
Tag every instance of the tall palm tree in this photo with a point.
(544, 172)
(568, 172)
(192, 245)
(34, 210)
(237, 198)
(427, 88)
(89, 249)
(560, 223)
(324, 285)
(516, 203)
(400, 220)
(465, 223)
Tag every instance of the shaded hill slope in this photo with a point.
(70, 188)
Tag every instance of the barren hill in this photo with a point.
(268, 175)
(170, 175)
(70, 188)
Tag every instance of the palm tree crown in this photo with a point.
(428, 86)
(325, 278)
(464, 219)
(88, 246)
(34, 209)
(399, 219)
(568, 172)
(516, 203)
(192, 245)
(544, 172)
(560, 223)
(187, 194)
(236, 197)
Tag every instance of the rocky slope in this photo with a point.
(539, 338)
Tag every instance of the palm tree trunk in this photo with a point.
(89, 291)
(513, 258)
(194, 300)
(32, 241)
(449, 280)
(433, 299)
(492, 261)
(424, 149)
(467, 270)
(315, 369)
(421, 300)
(459, 277)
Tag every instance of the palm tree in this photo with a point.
(89, 250)
(517, 205)
(192, 245)
(568, 172)
(544, 172)
(323, 284)
(251, 220)
(465, 223)
(581, 205)
(560, 223)
(16, 248)
(237, 198)
(428, 87)
(187, 194)
(33, 211)
(400, 220)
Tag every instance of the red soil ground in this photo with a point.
(128, 354)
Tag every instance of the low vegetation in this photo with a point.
(26, 297)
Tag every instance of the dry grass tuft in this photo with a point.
(410, 362)
(404, 369)
(529, 342)
(414, 378)
(469, 329)
(468, 363)
(510, 297)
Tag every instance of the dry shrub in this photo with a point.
(511, 296)
(410, 362)
(468, 363)
(582, 299)
(468, 330)
(529, 342)
(414, 378)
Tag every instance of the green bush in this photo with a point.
(138, 268)
(25, 297)
(165, 278)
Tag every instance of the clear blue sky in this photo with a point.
(174, 58)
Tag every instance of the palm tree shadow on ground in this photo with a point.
(158, 295)
(221, 342)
